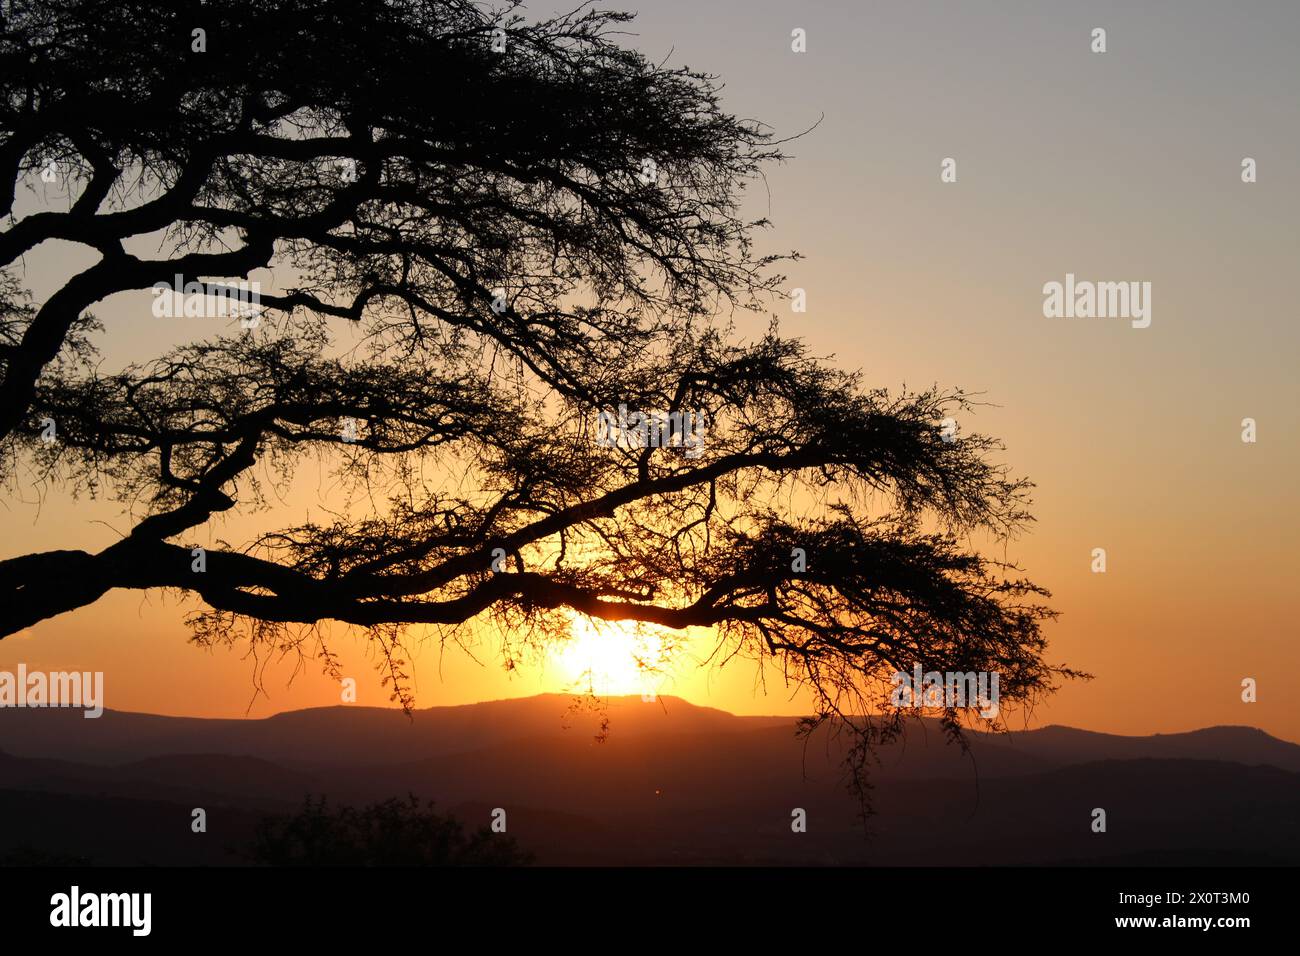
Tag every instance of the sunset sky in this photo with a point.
(1122, 166)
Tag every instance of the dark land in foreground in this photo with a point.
(670, 783)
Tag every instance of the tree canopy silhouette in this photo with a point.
(517, 226)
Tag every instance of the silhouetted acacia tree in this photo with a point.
(522, 224)
(391, 833)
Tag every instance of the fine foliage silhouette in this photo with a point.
(392, 833)
(26, 855)
(497, 229)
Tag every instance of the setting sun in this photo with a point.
(613, 658)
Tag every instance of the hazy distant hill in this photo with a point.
(669, 782)
(373, 735)
(1246, 745)
(360, 735)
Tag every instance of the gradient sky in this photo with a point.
(1116, 166)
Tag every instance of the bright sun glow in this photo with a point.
(613, 658)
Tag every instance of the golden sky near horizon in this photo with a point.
(1122, 166)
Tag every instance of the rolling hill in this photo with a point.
(666, 782)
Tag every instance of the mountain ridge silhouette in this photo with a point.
(355, 733)
(668, 783)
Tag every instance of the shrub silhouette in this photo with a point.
(392, 833)
(28, 855)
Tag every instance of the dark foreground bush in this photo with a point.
(392, 833)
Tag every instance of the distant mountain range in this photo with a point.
(666, 782)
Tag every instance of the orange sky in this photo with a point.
(1122, 166)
